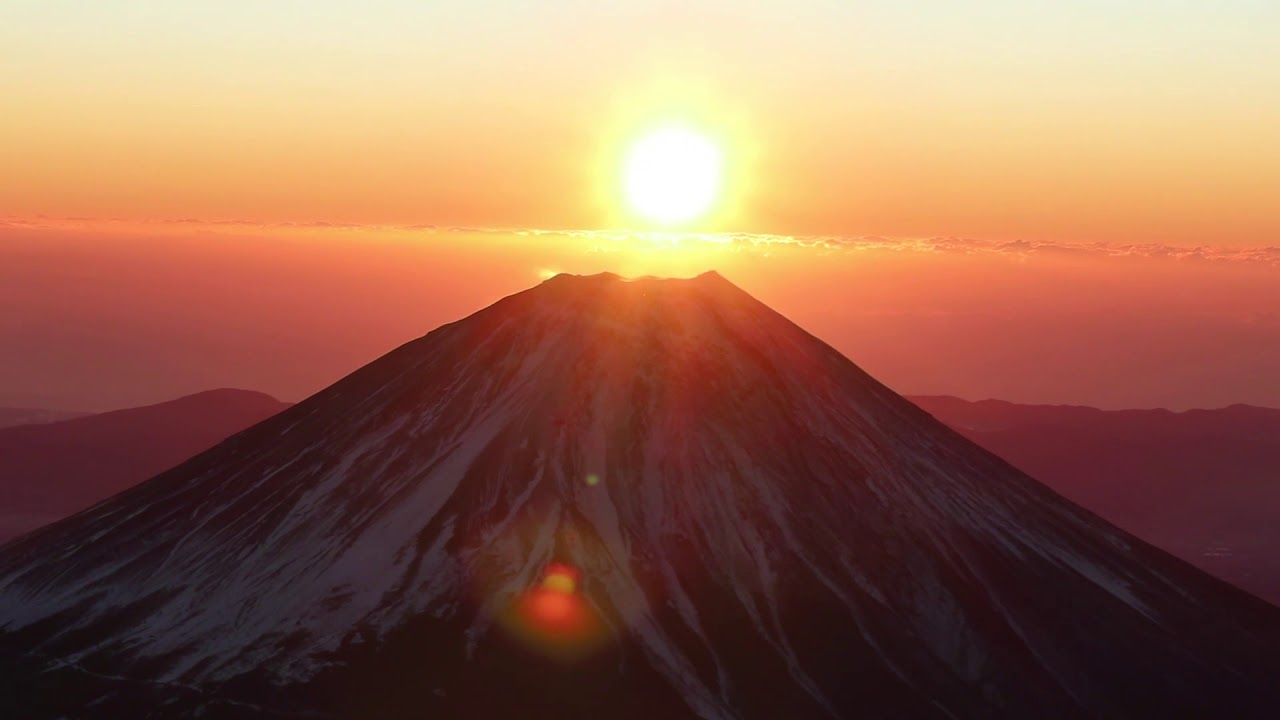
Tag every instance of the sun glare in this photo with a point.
(672, 175)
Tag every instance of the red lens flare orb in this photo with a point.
(554, 617)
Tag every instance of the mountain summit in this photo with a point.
(624, 499)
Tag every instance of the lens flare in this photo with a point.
(560, 579)
(554, 618)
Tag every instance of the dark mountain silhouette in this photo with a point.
(10, 416)
(51, 470)
(1202, 484)
(602, 498)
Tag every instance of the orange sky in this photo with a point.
(1093, 121)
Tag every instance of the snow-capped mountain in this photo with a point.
(610, 498)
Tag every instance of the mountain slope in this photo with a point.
(51, 470)
(1202, 484)
(620, 499)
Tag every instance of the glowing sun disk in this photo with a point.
(672, 175)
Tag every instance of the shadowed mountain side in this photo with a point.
(1202, 484)
(51, 470)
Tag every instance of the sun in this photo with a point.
(672, 175)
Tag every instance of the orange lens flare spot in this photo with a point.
(554, 617)
(553, 611)
(560, 582)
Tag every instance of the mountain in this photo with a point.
(51, 470)
(623, 499)
(10, 416)
(1202, 484)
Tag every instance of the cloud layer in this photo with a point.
(1268, 255)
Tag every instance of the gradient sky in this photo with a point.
(1111, 121)
(1045, 202)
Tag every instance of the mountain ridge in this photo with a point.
(1203, 484)
(51, 470)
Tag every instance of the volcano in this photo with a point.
(622, 499)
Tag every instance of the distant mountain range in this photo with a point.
(614, 499)
(10, 416)
(1202, 484)
(53, 469)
